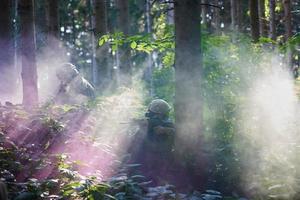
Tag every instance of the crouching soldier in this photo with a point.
(155, 150)
(73, 88)
(161, 131)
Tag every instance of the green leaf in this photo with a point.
(114, 47)
(101, 41)
(133, 45)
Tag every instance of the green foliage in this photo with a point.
(141, 43)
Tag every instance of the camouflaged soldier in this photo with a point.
(161, 131)
(73, 87)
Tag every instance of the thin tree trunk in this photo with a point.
(216, 17)
(204, 12)
(188, 67)
(262, 18)
(233, 11)
(29, 68)
(239, 15)
(254, 20)
(95, 74)
(287, 19)
(52, 18)
(272, 26)
(124, 52)
(288, 30)
(101, 28)
(149, 59)
(7, 72)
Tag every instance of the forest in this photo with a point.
(149, 99)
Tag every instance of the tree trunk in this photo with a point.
(7, 72)
(287, 19)
(254, 20)
(188, 67)
(52, 18)
(262, 18)
(272, 26)
(204, 12)
(288, 30)
(149, 70)
(239, 15)
(29, 68)
(95, 77)
(216, 17)
(101, 28)
(124, 52)
(233, 11)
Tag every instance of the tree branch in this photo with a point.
(173, 2)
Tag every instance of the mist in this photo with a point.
(267, 132)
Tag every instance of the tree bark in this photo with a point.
(188, 67)
(29, 68)
(124, 52)
(7, 72)
(254, 20)
(287, 19)
(262, 18)
(149, 69)
(239, 15)
(204, 12)
(188, 107)
(52, 18)
(233, 13)
(272, 26)
(288, 31)
(216, 17)
(102, 53)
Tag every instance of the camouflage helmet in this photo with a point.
(66, 72)
(159, 106)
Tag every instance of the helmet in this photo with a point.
(67, 72)
(159, 106)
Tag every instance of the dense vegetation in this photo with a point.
(232, 89)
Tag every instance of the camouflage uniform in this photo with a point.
(73, 87)
(161, 131)
(155, 145)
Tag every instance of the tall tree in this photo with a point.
(272, 26)
(29, 68)
(188, 67)
(216, 17)
(101, 29)
(149, 72)
(262, 18)
(287, 18)
(239, 15)
(124, 52)
(233, 11)
(95, 75)
(7, 49)
(204, 12)
(288, 29)
(52, 18)
(254, 19)
(188, 107)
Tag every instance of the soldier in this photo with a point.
(154, 143)
(161, 131)
(73, 88)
